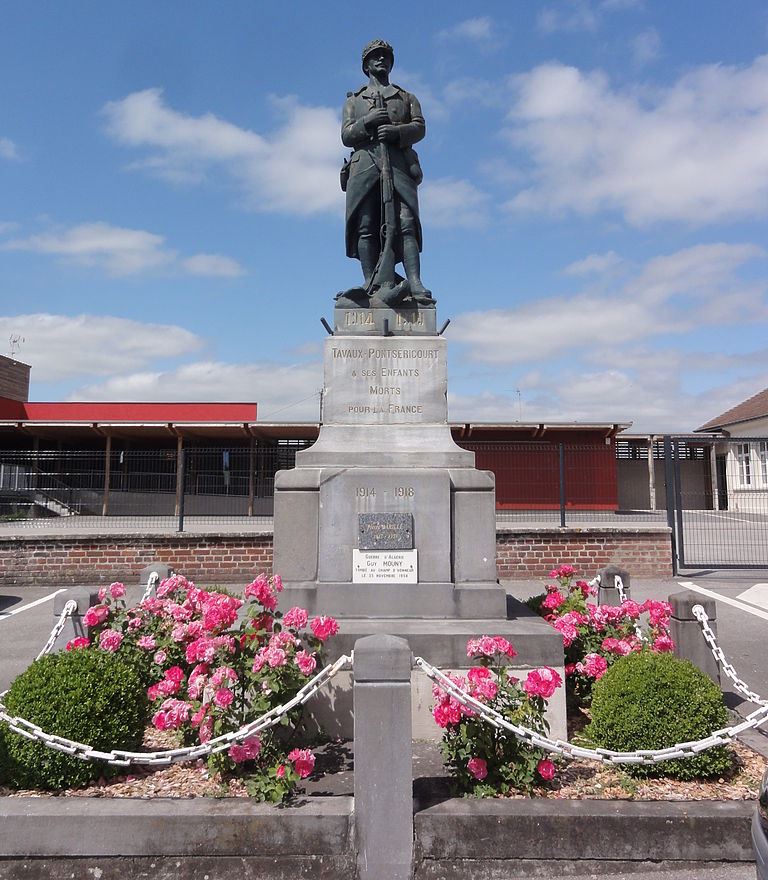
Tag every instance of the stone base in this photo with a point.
(398, 601)
(412, 321)
(442, 643)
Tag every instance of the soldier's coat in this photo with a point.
(404, 111)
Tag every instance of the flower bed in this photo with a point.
(212, 662)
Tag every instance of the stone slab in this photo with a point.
(405, 445)
(533, 828)
(385, 381)
(370, 322)
(88, 827)
(424, 493)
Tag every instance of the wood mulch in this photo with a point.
(577, 780)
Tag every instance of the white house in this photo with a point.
(743, 454)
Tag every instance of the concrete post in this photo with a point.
(686, 631)
(383, 758)
(162, 569)
(74, 627)
(607, 593)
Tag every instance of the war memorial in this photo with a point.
(386, 525)
(385, 522)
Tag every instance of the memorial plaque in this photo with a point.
(385, 531)
(385, 567)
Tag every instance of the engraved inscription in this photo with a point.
(385, 531)
(384, 567)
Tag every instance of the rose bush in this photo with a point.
(595, 636)
(485, 760)
(216, 661)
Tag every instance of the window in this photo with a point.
(763, 453)
(745, 469)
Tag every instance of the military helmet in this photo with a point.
(378, 44)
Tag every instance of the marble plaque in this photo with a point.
(385, 566)
(395, 380)
(385, 531)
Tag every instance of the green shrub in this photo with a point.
(87, 695)
(652, 701)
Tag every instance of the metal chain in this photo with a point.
(122, 758)
(152, 580)
(717, 652)
(569, 750)
(69, 609)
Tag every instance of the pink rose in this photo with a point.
(296, 618)
(206, 730)
(303, 761)
(117, 590)
(223, 698)
(275, 657)
(324, 627)
(280, 772)
(593, 665)
(542, 682)
(478, 768)
(306, 662)
(546, 769)
(160, 657)
(663, 645)
(79, 642)
(261, 590)
(96, 615)
(110, 639)
(553, 600)
(147, 643)
(248, 750)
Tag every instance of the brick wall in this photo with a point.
(643, 552)
(14, 379)
(94, 560)
(233, 558)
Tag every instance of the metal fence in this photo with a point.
(712, 492)
(159, 488)
(560, 484)
(722, 521)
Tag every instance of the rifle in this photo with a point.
(391, 288)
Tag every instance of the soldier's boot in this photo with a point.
(368, 252)
(412, 265)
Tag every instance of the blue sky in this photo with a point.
(594, 204)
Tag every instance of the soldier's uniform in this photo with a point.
(363, 216)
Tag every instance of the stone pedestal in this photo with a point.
(385, 485)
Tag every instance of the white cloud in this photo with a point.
(212, 265)
(653, 401)
(696, 287)
(580, 15)
(61, 346)
(292, 170)
(119, 251)
(626, 353)
(285, 392)
(695, 152)
(480, 30)
(595, 264)
(450, 203)
(8, 149)
(646, 47)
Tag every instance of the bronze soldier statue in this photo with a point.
(381, 122)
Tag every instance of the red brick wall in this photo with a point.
(26, 560)
(644, 553)
(101, 559)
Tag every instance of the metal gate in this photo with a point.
(718, 511)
